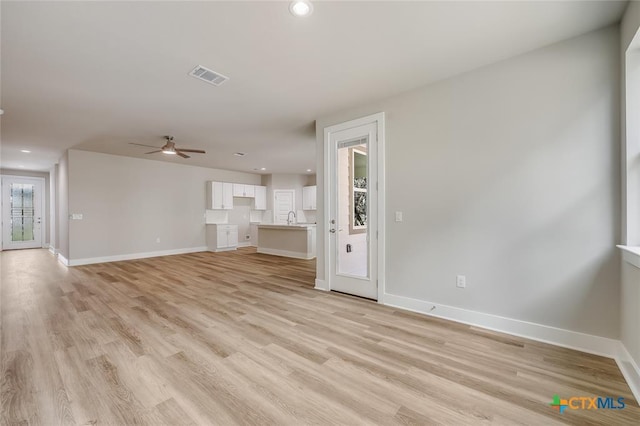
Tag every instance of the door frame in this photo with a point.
(293, 201)
(379, 120)
(43, 216)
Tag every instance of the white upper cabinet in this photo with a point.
(219, 196)
(260, 200)
(242, 190)
(309, 198)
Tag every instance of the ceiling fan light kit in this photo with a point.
(170, 148)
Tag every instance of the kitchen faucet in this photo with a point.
(289, 221)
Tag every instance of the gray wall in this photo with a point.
(510, 175)
(283, 181)
(47, 208)
(62, 204)
(630, 74)
(127, 203)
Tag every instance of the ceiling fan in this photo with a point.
(170, 148)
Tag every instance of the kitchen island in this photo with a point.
(296, 240)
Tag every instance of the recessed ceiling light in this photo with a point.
(239, 154)
(301, 8)
(308, 170)
(26, 151)
(263, 168)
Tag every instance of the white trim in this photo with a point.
(629, 370)
(219, 249)
(631, 255)
(382, 217)
(132, 256)
(63, 260)
(379, 120)
(321, 285)
(543, 333)
(245, 244)
(285, 253)
(53, 250)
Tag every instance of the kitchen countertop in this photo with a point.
(292, 227)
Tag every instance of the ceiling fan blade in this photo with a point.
(153, 152)
(181, 154)
(139, 144)
(197, 151)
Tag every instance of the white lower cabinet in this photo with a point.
(222, 237)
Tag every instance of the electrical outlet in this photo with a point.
(461, 281)
(398, 216)
(158, 240)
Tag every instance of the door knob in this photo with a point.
(332, 230)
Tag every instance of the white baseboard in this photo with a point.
(321, 285)
(222, 249)
(629, 370)
(132, 256)
(285, 253)
(63, 260)
(245, 244)
(556, 336)
(53, 250)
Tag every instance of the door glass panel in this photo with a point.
(22, 211)
(353, 209)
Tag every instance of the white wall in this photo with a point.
(127, 203)
(240, 216)
(510, 175)
(630, 292)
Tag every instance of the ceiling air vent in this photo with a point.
(208, 76)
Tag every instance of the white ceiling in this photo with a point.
(97, 75)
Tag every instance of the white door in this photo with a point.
(22, 199)
(353, 209)
(284, 201)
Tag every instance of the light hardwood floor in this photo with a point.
(242, 338)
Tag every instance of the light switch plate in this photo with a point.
(398, 216)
